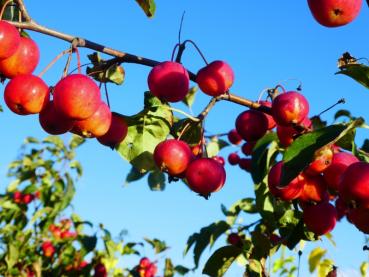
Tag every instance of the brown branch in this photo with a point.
(122, 57)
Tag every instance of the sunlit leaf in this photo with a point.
(148, 6)
(314, 258)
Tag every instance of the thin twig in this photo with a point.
(54, 61)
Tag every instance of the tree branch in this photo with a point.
(121, 57)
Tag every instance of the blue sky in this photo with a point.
(266, 43)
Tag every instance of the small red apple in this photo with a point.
(251, 125)
(53, 122)
(245, 164)
(76, 97)
(100, 270)
(173, 156)
(96, 125)
(205, 176)
(315, 189)
(322, 159)
(247, 148)
(117, 131)
(169, 81)
(219, 159)
(234, 137)
(354, 185)
(17, 196)
(215, 78)
(289, 192)
(23, 61)
(360, 218)
(333, 174)
(334, 13)
(341, 208)
(234, 239)
(26, 94)
(289, 108)
(48, 249)
(287, 134)
(320, 218)
(9, 39)
(233, 158)
(271, 122)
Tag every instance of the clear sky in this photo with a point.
(266, 42)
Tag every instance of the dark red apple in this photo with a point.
(251, 125)
(233, 158)
(9, 39)
(333, 174)
(100, 270)
(289, 192)
(354, 185)
(173, 156)
(320, 218)
(234, 137)
(169, 81)
(26, 94)
(53, 122)
(77, 97)
(23, 61)
(215, 78)
(234, 239)
(360, 218)
(245, 164)
(247, 148)
(96, 125)
(271, 122)
(334, 13)
(219, 159)
(341, 208)
(204, 176)
(117, 131)
(289, 108)
(287, 134)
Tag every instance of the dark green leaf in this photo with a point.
(156, 180)
(302, 150)
(134, 175)
(318, 123)
(145, 130)
(148, 6)
(190, 97)
(342, 113)
(190, 131)
(254, 269)
(221, 260)
(11, 11)
(181, 270)
(259, 157)
(365, 146)
(88, 243)
(206, 237)
(358, 72)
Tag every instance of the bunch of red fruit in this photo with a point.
(76, 103)
(203, 175)
(146, 268)
(62, 230)
(24, 198)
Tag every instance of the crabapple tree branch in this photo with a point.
(121, 57)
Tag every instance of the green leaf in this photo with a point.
(314, 258)
(76, 141)
(325, 267)
(190, 97)
(301, 151)
(181, 270)
(148, 6)
(290, 217)
(156, 180)
(246, 205)
(260, 155)
(168, 269)
(358, 72)
(145, 130)
(190, 131)
(11, 11)
(342, 113)
(158, 245)
(206, 237)
(254, 268)
(218, 264)
(31, 140)
(77, 165)
(134, 175)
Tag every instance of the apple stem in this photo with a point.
(195, 119)
(64, 52)
(107, 94)
(299, 262)
(66, 68)
(4, 7)
(75, 49)
(174, 51)
(281, 87)
(180, 28)
(197, 48)
(262, 93)
(340, 101)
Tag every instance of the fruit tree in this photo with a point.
(287, 175)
